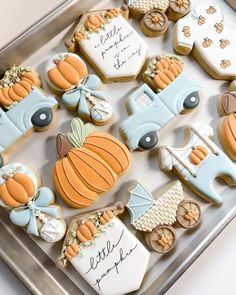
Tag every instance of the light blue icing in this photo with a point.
(25, 215)
(162, 108)
(76, 97)
(140, 201)
(15, 122)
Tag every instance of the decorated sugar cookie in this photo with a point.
(68, 74)
(29, 204)
(154, 216)
(110, 45)
(227, 123)
(151, 111)
(204, 33)
(23, 107)
(88, 164)
(154, 14)
(199, 162)
(104, 252)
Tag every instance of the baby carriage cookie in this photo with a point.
(199, 162)
(104, 252)
(23, 107)
(150, 111)
(204, 33)
(88, 164)
(154, 14)
(107, 41)
(227, 124)
(29, 204)
(67, 74)
(154, 216)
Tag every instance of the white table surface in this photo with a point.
(212, 273)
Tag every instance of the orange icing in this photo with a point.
(17, 190)
(229, 132)
(198, 154)
(106, 217)
(110, 149)
(68, 72)
(94, 22)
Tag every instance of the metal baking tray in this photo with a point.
(32, 260)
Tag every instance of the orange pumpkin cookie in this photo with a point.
(227, 123)
(98, 241)
(88, 165)
(162, 71)
(16, 84)
(64, 71)
(30, 205)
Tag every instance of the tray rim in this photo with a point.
(23, 244)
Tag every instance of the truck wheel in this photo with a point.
(42, 118)
(1, 161)
(148, 141)
(191, 101)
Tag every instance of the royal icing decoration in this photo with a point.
(199, 162)
(155, 216)
(151, 111)
(66, 72)
(110, 44)
(104, 251)
(88, 165)
(34, 111)
(30, 205)
(227, 124)
(203, 32)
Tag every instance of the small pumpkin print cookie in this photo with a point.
(212, 43)
(23, 107)
(103, 251)
(154, 216)
(112, 47)
(199, 162)
(29, 204)
(227, 123)
(88, 164)
(154, 14)
(67, 74)
(150, 111)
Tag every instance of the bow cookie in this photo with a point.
(91, 102)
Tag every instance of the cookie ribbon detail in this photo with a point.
(84, 93)
(27, 215)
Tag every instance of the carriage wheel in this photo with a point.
(154, 23)
(188, 214)
(162, 239)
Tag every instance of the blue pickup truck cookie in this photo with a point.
(151, 111)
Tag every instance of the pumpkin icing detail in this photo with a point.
(88, 165)
(198, 154)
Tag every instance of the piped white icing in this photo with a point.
(53, 230)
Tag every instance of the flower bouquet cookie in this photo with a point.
(23, 107)
(107, 41)
(155, 215)
(29, 204)
(199, 162)
(67, 74)
(212, 43)
(105, 253)
(88, 164)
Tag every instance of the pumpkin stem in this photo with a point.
(63, 146)
(5, 176)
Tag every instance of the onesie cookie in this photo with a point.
(68, 74)
(155, 215)
(110, 45)
(154, 14)
(105, 253)
(204, 33)
(23, 107)
(29, 204)
(88, 164)
(199, 162)
(150, 111)
(227, 124)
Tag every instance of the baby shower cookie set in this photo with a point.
(110, 247)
